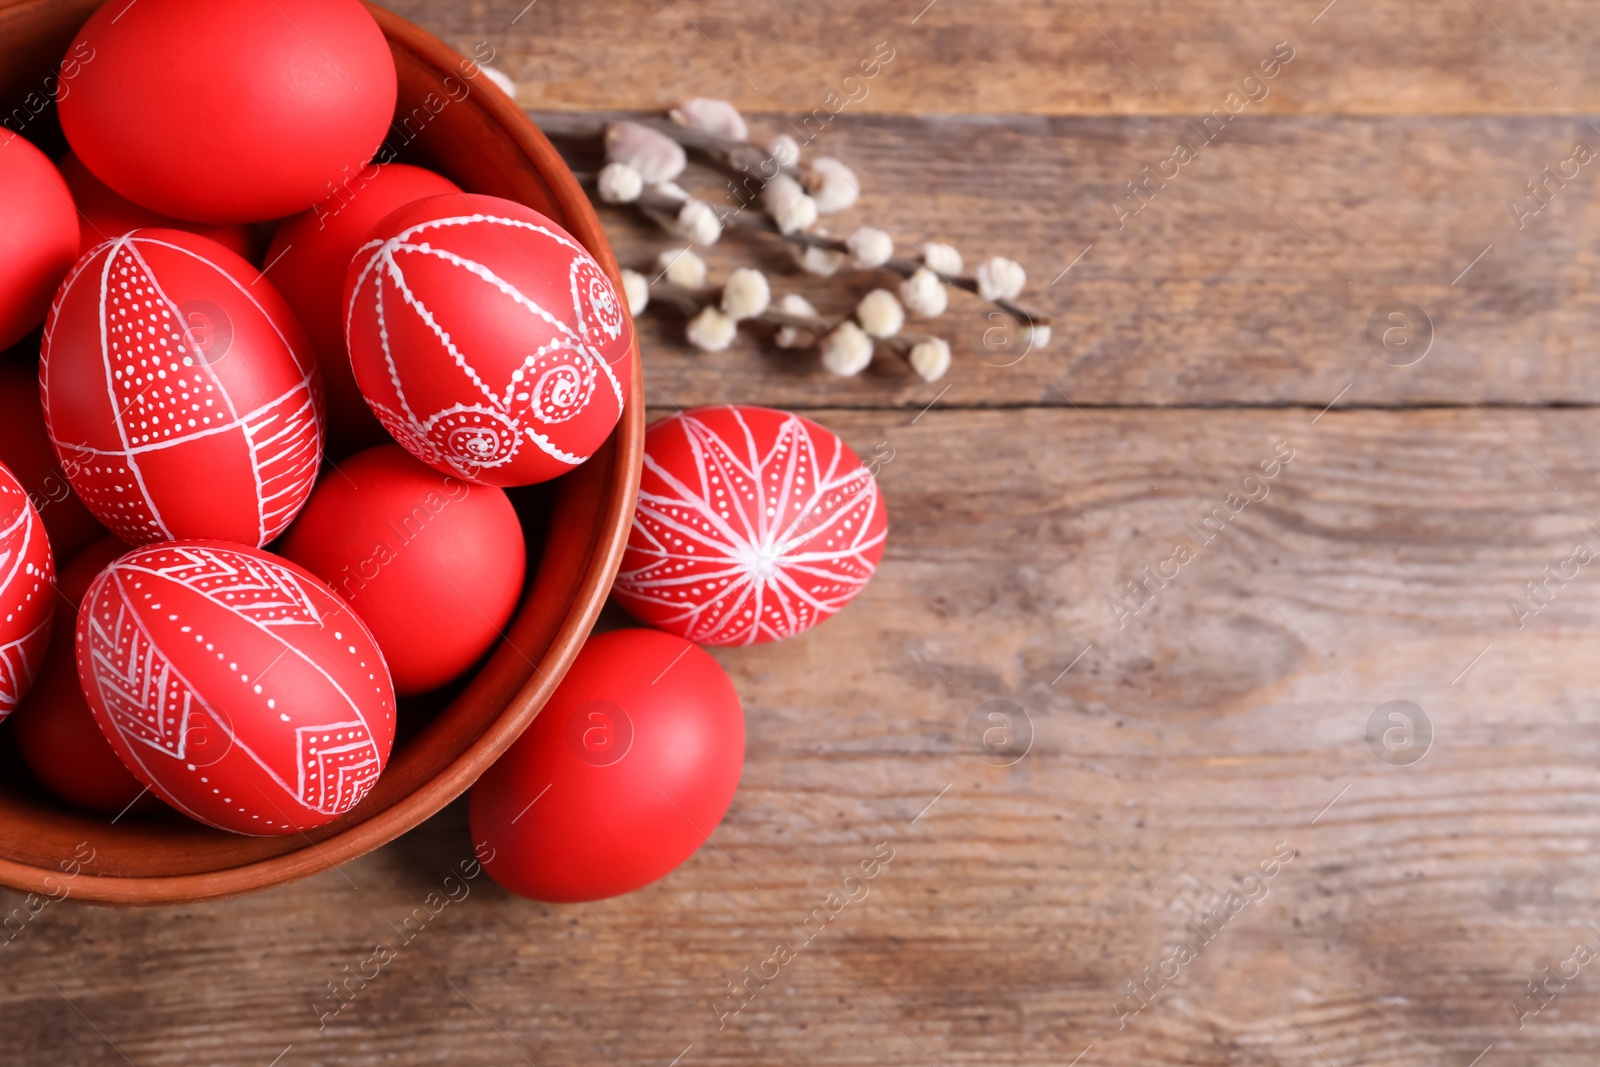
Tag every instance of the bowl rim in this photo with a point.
(589, 596)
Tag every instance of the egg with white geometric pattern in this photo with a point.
(180, 394)
(752, 525)
(27, 592)
(235, 685)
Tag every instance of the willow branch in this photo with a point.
(662, 204)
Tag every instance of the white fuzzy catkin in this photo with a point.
(1000, 278)
(819, 261)
(711, 330)
(636, 288)
(789, 205)
(670, 189)
(682, 267)
(796, 215)
(746, 294)
(870, 247)
(831, 184)
(847, 350)
(619, 183)
(1036, 336)
(698, 223)
(880, 314)
(798, 306)
(784, 150)
(930, 359)
(657, 157)
(502, 79)
(946, 259)
(924, 295)
(713, 116)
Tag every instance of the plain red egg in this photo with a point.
(235, 685)
(487, 341)
(752, 525)
(102, 215)
(25, 449)
(433, 564)
(27, 592)
(308, 261)
(56, 731)
(180, 393)
(622, 776)
(38, 235)
(229, 112)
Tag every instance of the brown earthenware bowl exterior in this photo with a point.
(451, 118)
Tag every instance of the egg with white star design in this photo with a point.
(752, 525)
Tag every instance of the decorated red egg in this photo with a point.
(622, 776)
(433, 564)
(308, 260)
(25, 449)
(55, 729)
(38, 235)
(180, 394)
(235, 685)
(752, 525)
(229, 112)
(27, 592)
(102, 214)
(487, 340)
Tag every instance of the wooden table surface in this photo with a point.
(1097, 891)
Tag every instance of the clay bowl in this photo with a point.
(576, 529)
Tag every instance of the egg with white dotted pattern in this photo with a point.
(752, 525)
(180, 394)
(235, 685)
(27, 592)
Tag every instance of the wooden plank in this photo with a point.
(1094, 57)
(1251, 277)
(1222, 725)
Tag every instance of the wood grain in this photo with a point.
(1056, 58)
(1249, 278)
(1169, 761)
(1174, 749)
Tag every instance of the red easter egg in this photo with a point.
(235, 685)
(752, 525)
(25, 449)
(623, 775)
(308, 261)
(27, 592)
(180, 394)
(38, 235)
(433, 564)
(103, 214)
(487, 341)
(229, 112)
(56, 731)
